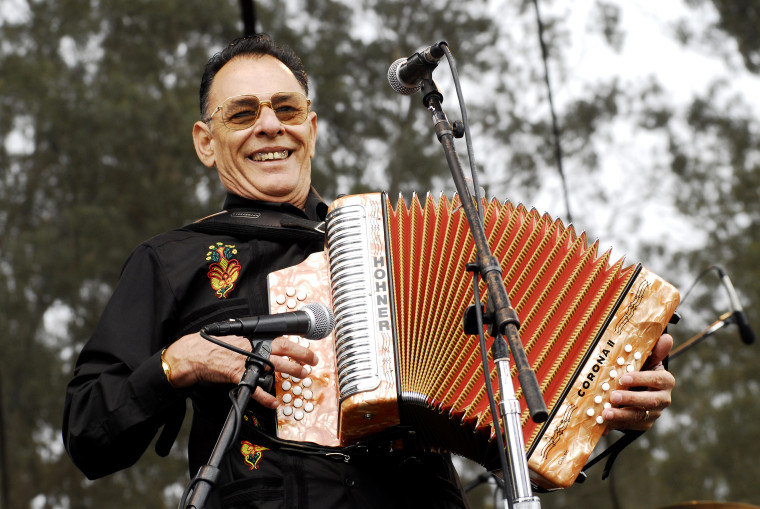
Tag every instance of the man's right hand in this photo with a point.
(193, 359)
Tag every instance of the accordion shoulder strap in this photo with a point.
(261, 224)
(611, 453)
(379, 443)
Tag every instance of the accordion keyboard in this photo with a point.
(350, 263)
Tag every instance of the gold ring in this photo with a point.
(646, 415)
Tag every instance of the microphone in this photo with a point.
(405, 74)
(746, 333)
(312, 321)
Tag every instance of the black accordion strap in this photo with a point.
(612, 451)
(379, 443)
(261, 224)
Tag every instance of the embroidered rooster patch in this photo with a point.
(252, 454)
(224, 270)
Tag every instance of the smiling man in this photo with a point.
(262, 158)
(146, 356)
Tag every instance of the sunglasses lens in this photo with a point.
(290, 108)
(240, 112)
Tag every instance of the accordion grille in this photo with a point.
(561, 290)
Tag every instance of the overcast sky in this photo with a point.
(648, 50)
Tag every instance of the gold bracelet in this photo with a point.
(165, 366)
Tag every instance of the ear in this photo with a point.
(313, 121)
(203, 139)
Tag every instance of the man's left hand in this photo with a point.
(637, 410)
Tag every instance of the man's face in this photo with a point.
(269, 160)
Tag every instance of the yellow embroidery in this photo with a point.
(252, 454)
(225, 270)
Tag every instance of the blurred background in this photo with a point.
(636, 121)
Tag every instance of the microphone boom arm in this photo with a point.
(724, 320)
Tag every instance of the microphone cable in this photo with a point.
(466, 125)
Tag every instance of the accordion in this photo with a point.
(397, 282)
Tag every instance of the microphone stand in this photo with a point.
(503, 316)
(509, 408)
(205, 480)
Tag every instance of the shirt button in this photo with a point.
(349, 482)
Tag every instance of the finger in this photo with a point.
(286, 365)
(659, 352)
(286, 348)
(648, 400)
(658, 379)
(631, 418)
(264, 398)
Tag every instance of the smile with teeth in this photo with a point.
(270, 156)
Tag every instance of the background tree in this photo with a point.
(96, 104)
(96, 107)
(703, 449)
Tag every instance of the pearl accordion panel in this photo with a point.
(397, 282)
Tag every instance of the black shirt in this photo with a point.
(172, 285)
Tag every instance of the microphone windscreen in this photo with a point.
(324, 320)
(746, 333)
(395, 81)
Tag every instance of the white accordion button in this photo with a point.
(629, 368)
(290, 291)
(608, 405)
(597, 399)
(298, 415)
(306, 382)
(287, 398)
(297, 390)
(590, 412)
(637, 356)
(308, 407)
(295, 380)
(298, 403)
(308, 369)
(280, 300)
(291, 304)
(599, 419)
(620, 361)
(287, 411)
(605, 386)
(628, 348)
(286, 385)
(307, 394)
(613, 374)
(301, 295)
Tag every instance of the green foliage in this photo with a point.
(101, 92)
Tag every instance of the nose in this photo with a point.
(267, 124)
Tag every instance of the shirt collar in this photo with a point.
(314, 209)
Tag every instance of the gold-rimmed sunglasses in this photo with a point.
(242, 111)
